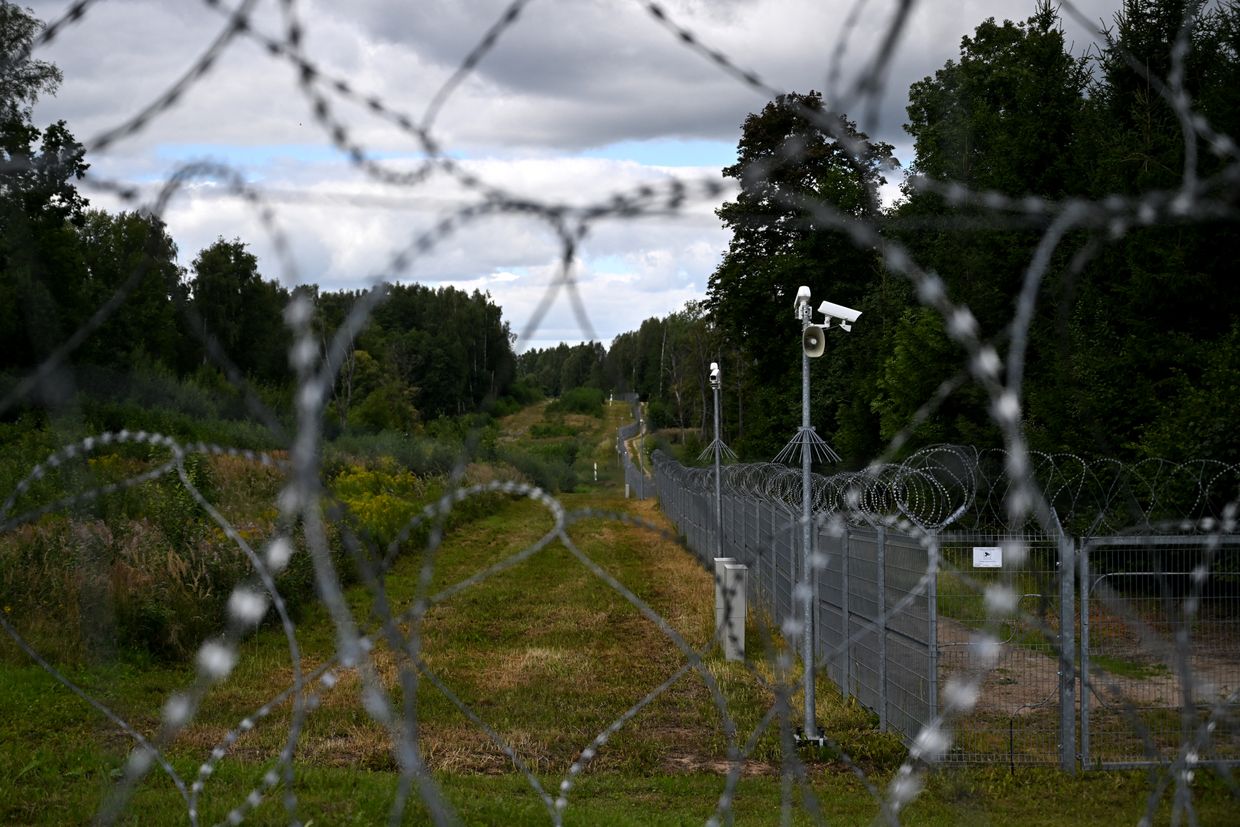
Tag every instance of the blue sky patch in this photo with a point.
(671, 152)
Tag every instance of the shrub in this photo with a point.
(423, 456)
(524, 392)
(691, 447)
(549, 430)
(548, 471)
(380, 500)
(659, 414)
(587, 401)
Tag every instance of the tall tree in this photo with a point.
(786, 159)
(1155, 315)
(1009, 115)
(239, 310)
(40, 265)
(114, 248)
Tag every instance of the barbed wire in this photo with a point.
(934, 490)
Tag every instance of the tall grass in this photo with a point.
(587, 401)
(142, 569)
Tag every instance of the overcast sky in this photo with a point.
(580, 98)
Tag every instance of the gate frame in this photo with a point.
(1085, 545)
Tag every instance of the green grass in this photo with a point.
(329, 795)
(1126, 668)
(548, 655)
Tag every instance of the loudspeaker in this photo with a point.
(813, 341)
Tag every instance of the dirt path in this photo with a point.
(1026, 680)
(1023, 681)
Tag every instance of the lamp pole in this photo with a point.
(716, 382)
(807, 551)
(809, 446)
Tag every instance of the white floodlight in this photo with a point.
(844, 315)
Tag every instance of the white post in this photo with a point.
(730, 606)
(735, 576)
(641, 495)
(720, 563)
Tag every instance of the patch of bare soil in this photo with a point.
(1025, 680)
(687, 763)
(1022, 682)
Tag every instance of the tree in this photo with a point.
(114, 248)
(40, 265)
(1155, 314)
(787, 160)
(239, 310)
(22, 79)
(1008, 115)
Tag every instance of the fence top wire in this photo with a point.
(944, 487)
(933, 489)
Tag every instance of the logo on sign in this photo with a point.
(987, 557)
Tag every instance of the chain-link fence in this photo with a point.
(1160, 635)
(636, 482)
(1025, 712)
(873, 623)
(903, 608)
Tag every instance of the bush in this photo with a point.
(550, 430)
(380, 500)
(422, 456)
(691, 447)
(524, 392)
(547, 470)
(587, 401)
(386, 408)
(504, 406)
(659, 414)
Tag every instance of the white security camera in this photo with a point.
(802, 301)
(845, 315)
(714, 374)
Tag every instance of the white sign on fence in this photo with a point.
(987, 557)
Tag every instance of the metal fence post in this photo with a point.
(794, 563)
(932, 613)
(1083, 563)
(846, 672)
(881, 553)
(1067, 652)
(770, 556)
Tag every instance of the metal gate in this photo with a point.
(1160, 643)
(1026, 711)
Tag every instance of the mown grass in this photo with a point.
(349, 796)
(548, 655)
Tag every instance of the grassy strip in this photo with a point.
(548, 655)
(329, 795)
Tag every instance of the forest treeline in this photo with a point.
(427, 352)
(1134, 346)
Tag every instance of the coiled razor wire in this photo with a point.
(963, 487)
(931, 490)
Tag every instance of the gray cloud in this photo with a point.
(570, 75)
